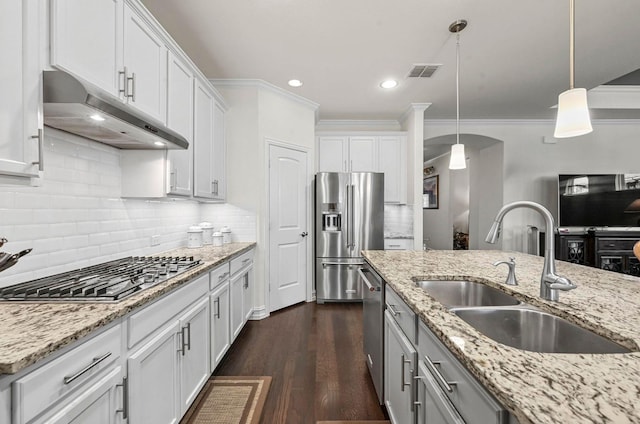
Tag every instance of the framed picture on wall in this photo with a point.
(430, 192)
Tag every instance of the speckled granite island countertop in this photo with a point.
(535, 387)
(31, 331)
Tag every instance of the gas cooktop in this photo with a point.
(106, 282)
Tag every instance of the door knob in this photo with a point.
(304, 234)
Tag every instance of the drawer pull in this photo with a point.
(222, 276)
(393, 310)
(93, 364)
(244, 261)
(442, 382)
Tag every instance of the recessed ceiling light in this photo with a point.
(158, 143)
(389, 83)
(295, 83)
(96, 117)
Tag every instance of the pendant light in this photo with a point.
(573, 112)
(458, 159)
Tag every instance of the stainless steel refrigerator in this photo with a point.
(349, 218)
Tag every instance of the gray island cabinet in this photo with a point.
(443, 370)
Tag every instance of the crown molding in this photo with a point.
(614, 97)
(258, 83)
(357, 123)
(504, 122)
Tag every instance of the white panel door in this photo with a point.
(288, 202)
(236, 305)
(145, 57)
(363, 154)
(218, 149)
(180, 119)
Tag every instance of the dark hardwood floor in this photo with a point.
(314, 355)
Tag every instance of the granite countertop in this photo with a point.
(535, 387)
(30, 331)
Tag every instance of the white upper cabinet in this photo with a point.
(209, 144)
(145, 65)
(333, 153)
(20, 129)
(363, 154)
(86, 40)
(368, 153)
(109, 44)
(180, 119)
(218, 166)
(392, 155)
(203, 135)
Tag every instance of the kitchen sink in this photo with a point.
(465, 293)
(537, 331)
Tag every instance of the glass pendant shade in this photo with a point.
(458, 159)
(573, 114)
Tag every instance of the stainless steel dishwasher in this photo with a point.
(373, 325)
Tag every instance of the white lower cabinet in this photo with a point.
(153, 379)
(237, 308)
(101, 403)
(399, 372)
(194, 351)
(220, 326)
(433, 406)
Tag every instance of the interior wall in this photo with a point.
(437, 224)
(531, 166)
(258, 113)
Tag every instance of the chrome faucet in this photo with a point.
(511, 276)
(550, 282)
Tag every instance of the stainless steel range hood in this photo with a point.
(80, 108)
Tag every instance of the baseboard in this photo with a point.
(259, 313)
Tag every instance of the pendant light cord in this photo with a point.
(457, 87)
(572, 53)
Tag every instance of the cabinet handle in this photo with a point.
(173, 178)
(189, 335)
(222, 276)
(403, 361)
(125, 398)
(442, 382)
(40, 162)
(345, 166)
(246, 280)
(350, 165)
(244, 261)
(122, 83)
(132, 95)
(393, 310)
(217, 302)
(96, 361)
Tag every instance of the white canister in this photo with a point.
(226, 235)
(217, 238)
(194, 237)
(207, 232)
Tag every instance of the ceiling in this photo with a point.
(514, 54)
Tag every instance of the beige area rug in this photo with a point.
(354, 422)
(229, 400)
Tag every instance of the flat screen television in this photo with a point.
(599, 200)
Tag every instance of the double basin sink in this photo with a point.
(506, 320)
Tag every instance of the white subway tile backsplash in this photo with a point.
(77, 218)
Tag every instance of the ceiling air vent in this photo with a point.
(423, 70)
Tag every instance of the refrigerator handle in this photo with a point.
(352, 223)
(348, 222)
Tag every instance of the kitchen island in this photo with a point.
(534, 387)
(32, 331)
